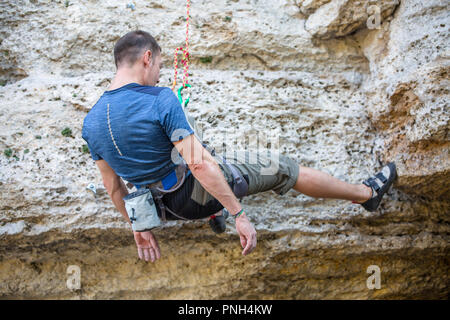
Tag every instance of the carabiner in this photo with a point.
(180, 97)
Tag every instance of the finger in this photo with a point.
(155, 246)
(247, 248)
(157, 253)
(153, 243)
(243, 241)
(140, 253)
(253, 243)
(152, 254)
(146, 254)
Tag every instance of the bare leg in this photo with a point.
(318, 184)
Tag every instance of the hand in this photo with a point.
(147, 245)
(247, 233)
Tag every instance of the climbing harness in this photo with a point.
(159, 191)
(240, 187)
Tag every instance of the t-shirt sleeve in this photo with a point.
(94, 155)
(172, 117)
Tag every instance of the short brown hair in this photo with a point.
(130, 46)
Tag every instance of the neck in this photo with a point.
(125, 76)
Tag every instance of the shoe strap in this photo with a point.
(381, 176)
(371, 182)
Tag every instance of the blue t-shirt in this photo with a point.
(137, 141)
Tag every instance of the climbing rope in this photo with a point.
(185, 57)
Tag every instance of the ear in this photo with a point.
(146, 58)
(149, 57)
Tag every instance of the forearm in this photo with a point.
(117, 190)
(212, 179)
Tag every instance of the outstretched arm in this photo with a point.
(206, 170)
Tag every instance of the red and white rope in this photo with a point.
(185, 57)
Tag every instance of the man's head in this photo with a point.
(138, 50)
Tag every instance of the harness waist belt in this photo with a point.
(160, 188)
(172, 180)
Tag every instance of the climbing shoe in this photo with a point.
(379, 183)
(217, 223)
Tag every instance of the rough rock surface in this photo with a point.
(338, 18)
(310, 6)
(408, 93)
(339, 101)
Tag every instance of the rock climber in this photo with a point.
(135, 126)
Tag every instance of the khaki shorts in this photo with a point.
(263, 171)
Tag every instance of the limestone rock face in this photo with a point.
(338, 96)
(309, 6)
(338, 18)
(408, 92)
